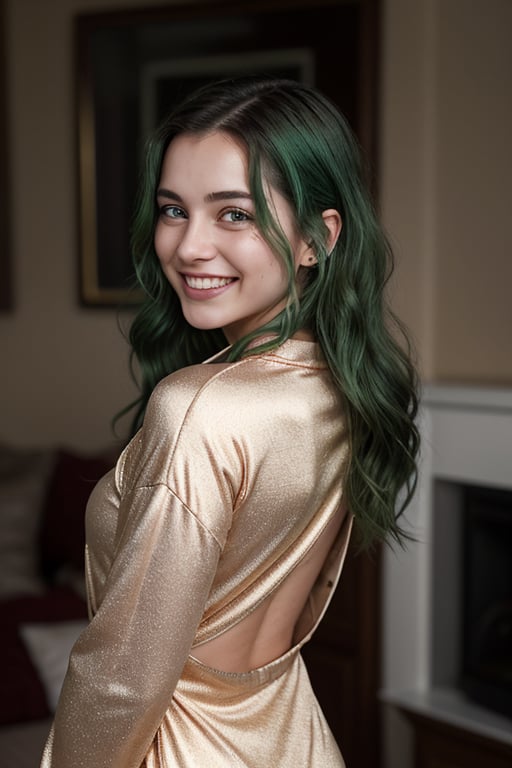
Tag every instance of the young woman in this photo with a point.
(276, 409)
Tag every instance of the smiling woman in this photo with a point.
(276, 414)
(223, 271)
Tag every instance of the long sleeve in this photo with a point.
(125, 666)
(173, 509)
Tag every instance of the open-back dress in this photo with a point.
(232, 478)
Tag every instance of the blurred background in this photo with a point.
(441, 149)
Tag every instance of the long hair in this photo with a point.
(297, 140)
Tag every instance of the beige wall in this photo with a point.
(445, 161)
(446, 169)
(472, 317)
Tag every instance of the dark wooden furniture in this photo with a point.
(442, 745)
(343, 661)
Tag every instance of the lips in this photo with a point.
(205, 283)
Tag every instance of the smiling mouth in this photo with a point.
(203, 283)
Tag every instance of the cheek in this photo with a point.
(157, 239)
(164, 242)
(275, 270)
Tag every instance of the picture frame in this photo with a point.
(162, 80)
(6, 287)
(132, 66)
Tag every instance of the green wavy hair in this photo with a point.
(298, 141)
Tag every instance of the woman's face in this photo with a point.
(206, 239)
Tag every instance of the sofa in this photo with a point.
(43, 495)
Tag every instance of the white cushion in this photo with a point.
(49, 646)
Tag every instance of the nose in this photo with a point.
(197, 242)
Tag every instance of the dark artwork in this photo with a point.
(133, 66)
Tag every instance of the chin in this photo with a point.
(201, 325)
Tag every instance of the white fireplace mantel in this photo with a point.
(466, 439)
(469, 434)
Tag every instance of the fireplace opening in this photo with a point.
(486, 658)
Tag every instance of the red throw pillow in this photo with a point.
(62, 536)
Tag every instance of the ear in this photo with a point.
(334, 225)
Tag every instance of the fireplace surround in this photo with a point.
(467, 446)
(485, 672)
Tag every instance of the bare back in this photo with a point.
(267, 632)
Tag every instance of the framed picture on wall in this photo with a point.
(163, 82)
(6, 297)
(132, 66)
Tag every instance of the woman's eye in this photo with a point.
(235, 215)
(172, 212)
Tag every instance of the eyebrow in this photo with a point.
(212, 197)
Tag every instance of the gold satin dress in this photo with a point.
(220, 495)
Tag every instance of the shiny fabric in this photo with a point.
(232, 478)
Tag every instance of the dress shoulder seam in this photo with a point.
(185, 506)
(271, 357)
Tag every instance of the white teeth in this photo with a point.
(202, 283)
